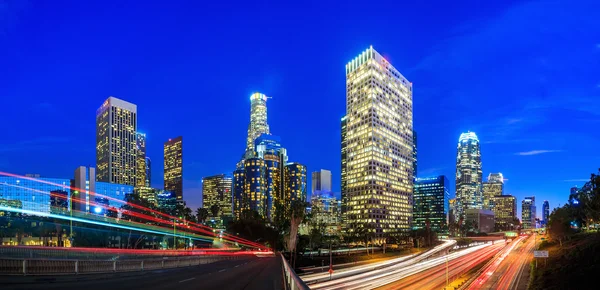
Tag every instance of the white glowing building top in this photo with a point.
(258, 119)
(469, 193)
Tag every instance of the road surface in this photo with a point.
(252, 273)
(435, 277)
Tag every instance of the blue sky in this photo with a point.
(525, 76)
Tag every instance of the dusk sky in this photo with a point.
(524, 76)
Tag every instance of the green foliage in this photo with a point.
(201, 214)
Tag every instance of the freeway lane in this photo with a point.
(435, 277)
(244, 273)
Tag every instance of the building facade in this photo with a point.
(140, 178)
(468, 174)
(505, 212)
(325, 209)
(173, 167)
(528, 213)
(321, 181)
(379, 147)
(295, 182)
(116, 148)
(494, 186)
(258, 121)
(167, 201)
(483, 219)
(431, 204)
(216, 191)
(545, 213)
(344, 180)
(148, 164)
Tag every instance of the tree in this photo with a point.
(202, 214)
(559, 225)
(297, 215)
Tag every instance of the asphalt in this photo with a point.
(260, 273)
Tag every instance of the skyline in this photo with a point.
(515, 139)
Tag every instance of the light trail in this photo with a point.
(487, 273)
(398, 262)
(198, 226)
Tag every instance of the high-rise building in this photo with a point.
(414, 154)
(173, 167)
(528, 212)
(240, 199)
(295, 181)
(167, 201)
(116, 149)
(494, 186)
(505, 212)
(468, 174)
(258, 121)
(325, 209)
(216, 191)
(148, 194)
(379, 147)
(545, 213)
(482, 218)
(140, 179)
(85, 185)
(431, 204)
(321, 181)
(343, 171)
(148, 164)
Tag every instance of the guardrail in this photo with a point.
(290, 279)
(75, 267)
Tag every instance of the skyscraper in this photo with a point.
(258, 121)
(528, 213)
(140, 179)
(173, 167)
(116, 148)
(545, 213)
(505, 212)
(379, 146)
(216, 190)
(295, 181)
(431, 204)
(321, 181)
(468, 174)
(494, 186)
(343, 171)
(148, 164)
(414, 154)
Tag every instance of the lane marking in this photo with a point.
(190, 279)
(236, 266)
(223, 270)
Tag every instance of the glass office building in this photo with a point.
(528, 213)
(173, 166)
(378, 146)
(216, 190)
(468, 174)
(494, 186)
(431, 204)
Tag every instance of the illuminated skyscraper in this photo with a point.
(505, 212)
(140, 180)
(528, 213)
(148, 164)
(414, 154)
(173, 167)
(240, 200)
(468, 174)
(321, 181)
(216, 190)
(379, 146)
(545, 213)
(116, 148)
(431, 204)
(258, 121)
(295, 181)
(494, 186)
(344, 180)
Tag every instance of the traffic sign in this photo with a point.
(540, 254)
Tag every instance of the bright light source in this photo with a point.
(97, 209)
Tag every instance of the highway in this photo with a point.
(393, 273)
(251, 273)
(507, 271)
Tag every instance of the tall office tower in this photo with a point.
(414, 154)
(116, 149)
(344, 200)
(468, 174)
(148, 164)
(494, 186)
(216, 190)
(255, 185)
(258, 121)
(240, 200)
(295, 181)
(321, 181)
(545, 213)
(268, 148)
(379, 146)
(140, 173)
(452, 211)
(528, 213)
(325, 211)
(85, 185)
(173, 167)
(505, 212)
(431, 204)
